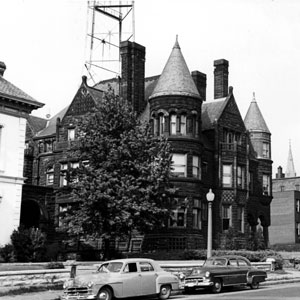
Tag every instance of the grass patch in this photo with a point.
(31, 289)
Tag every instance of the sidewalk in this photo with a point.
(291, 276)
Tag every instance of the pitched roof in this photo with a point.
(175, 78)
(50, 129)
(254, 120)
(290, 169)
(211, 111)
(10, 91)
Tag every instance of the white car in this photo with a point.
(120, 279)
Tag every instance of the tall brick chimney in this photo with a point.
(200, 82)
(2, 68)
(221, 78)
(133, 74)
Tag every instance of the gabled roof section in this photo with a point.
(10, 91)
(85, 100)
(175, 78)
(254, 120)
(211, 112)
(50, 128)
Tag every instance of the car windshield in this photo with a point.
(110, 267)
(215, 262)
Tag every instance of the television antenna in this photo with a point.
(109, 24)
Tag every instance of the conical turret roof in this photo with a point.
(175, 78)
(254, 120)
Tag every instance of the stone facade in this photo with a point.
(212, 148)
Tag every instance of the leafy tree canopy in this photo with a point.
(123, 181)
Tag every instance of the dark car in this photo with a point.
(221, 271)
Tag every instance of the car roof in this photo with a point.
(229, 256)
(127, 260)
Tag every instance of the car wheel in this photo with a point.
(217, 286)
(105, 294)
(254, 285)
(165, 292)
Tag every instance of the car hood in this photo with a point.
(203, 270)
(96, 277)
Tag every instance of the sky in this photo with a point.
(45, 45)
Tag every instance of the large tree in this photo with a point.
(123, 181)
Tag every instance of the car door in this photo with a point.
(148, 278)
(131, 280)
(244, 269)
(237, 274)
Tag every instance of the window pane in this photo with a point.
(179, 165)
(183, 125)
(173, 124)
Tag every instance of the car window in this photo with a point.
(146, 267)
(232, 262)
(215, 262)
(110, 267)
(242, 263)
(130, 267)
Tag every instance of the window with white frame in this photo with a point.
(183, 124)
(297, 205)
(50, 175)
(266, 150)
(178, 218)
(240, 217)
(226, 217)
(241, 177)
(63, 209)
(179, 165)
(63, 174)
(173, 119)
(161, 124)
(197, 214)
(227, 175)
(196, 167)
(298, 228)
(266, 185)
(71, 134)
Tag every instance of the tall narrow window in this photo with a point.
(240, 217)
(197, 215)
(173, 124)
(204, 211)
(298, 206)
(49, 175)
(266, 150)
(226, 217)
(1, 154)
(179, 165)
(63, 210)
(63, 174)
(71, 134)
(196, 167)
(251, 184)
(298, 228)
(74, 165)
(183, 124)
(227, 176)
(161, 124)
(241, 177)
(266, 185)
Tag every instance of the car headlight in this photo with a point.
(69, 283)
(90, 284)
(207, 274)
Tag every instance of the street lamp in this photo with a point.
(210, 196)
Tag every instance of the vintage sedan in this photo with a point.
(221, 271)
(120, 279)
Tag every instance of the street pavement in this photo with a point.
(290, 276)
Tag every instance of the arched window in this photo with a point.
(173, 119)
(161, 124)
(183, 124)
(50, 175)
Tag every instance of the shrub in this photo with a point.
(28, 244)
(7, 253)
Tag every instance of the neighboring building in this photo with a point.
(211, 144)
(15, 106)
(285, 208)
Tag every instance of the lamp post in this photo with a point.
(210, 196)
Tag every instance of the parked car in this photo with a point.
(221, 271)
(120, 279)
